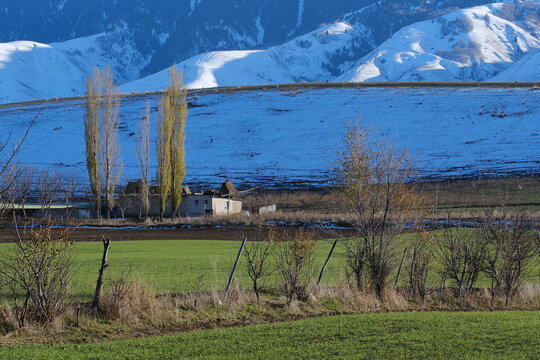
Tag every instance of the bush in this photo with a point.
(295, 263)
(38, 273)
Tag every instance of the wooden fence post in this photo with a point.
(399, 270)
(326, 262)
(244, 238)
(106, 247)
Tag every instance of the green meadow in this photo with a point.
(483, 335)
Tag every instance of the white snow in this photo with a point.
(299, 60)
(288, 136)
(527, 69)
(30, 70)
(300, 14)
(192, 4)
(466, 45)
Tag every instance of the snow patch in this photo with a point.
(192, 5)
(162, 38)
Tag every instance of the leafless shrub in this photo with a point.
(257, 253)
(38, 273)
(295, 263)
(115, 296)
(462, 255)
(512, 246)
(418, 263)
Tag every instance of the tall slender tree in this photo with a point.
(101, 135)
(111, 162)
(91, 135)
(163, 154)
(177, 111)
(143, 159)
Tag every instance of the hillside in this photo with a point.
(467, 45)
(286, 138)
(299, 60)
(30, 70)
(524, 70)
(272, 40)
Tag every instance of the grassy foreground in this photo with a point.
(485, 335)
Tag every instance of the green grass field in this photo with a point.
(493, 335)
(171, 266)
(175, 266)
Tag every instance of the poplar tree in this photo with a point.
(111, 163)
(177, 111)
(101, 136)
(91, 135)
(143, 158)
(163, 155)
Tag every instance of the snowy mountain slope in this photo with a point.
(171, 31)
(30, 70)
(467, 45)
(527, 69)
(303, 59)
(287, 137)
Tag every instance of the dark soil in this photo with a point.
(222, 233)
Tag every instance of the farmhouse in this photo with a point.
(208, 203)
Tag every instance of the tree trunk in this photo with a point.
(97, 294)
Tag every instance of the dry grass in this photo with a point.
(142, 313)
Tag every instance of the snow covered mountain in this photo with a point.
(258, 42)
(525, 70)
(467, 45)
(301, 60)
(30, 70)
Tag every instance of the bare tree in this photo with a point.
(111, 162)
(70, 190)
(91, 134)
(101, 135)
(49, 185)
(10, 171)
(22, 188)
(257, 253)
(295, 263)
(143, 159)
(373, 179)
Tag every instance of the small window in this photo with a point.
(196, 202)
(226, 205)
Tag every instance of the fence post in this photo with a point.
(244, 238)
(400, 266)
(326, 262)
